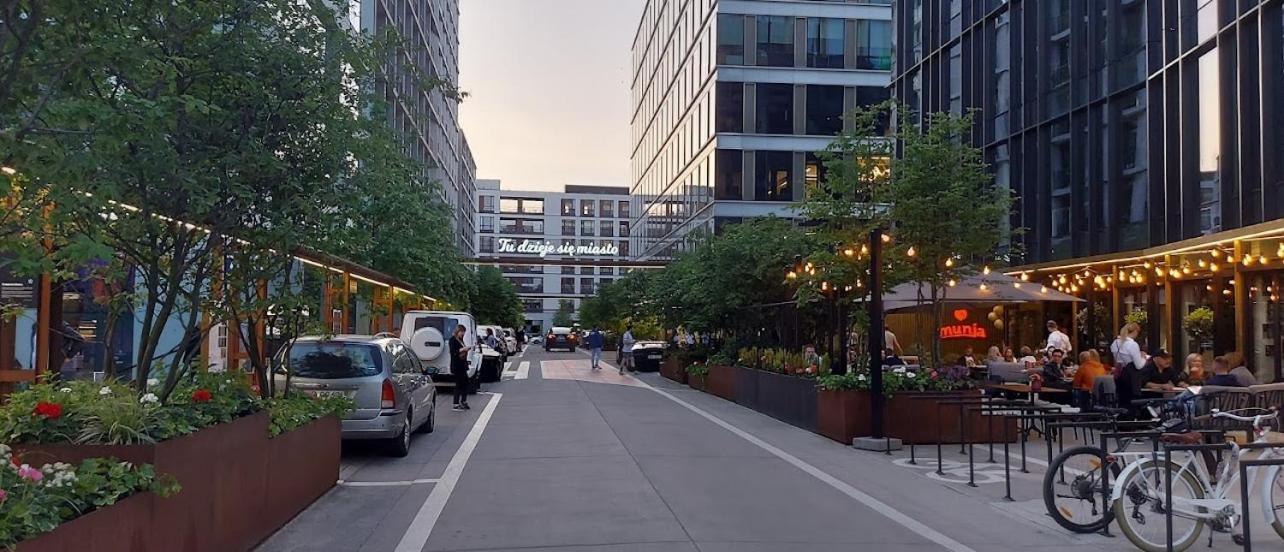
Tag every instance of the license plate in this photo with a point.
(330, 394)
(653, 357)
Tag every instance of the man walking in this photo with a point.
(1057, 339)
(594, 342)
(626, 348)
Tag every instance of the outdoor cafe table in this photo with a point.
(1024, 389)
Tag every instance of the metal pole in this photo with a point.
(876, 344)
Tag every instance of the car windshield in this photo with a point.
(334, 360)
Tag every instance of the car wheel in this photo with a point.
(399, 446)
(431, 423)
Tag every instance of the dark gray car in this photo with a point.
(393, 394)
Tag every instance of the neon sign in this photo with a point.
(962, 330)
(545, 248)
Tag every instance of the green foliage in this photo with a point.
(115, 414)
(894, 381)
(1199, 324)
(37, 499)
(494, 299)
(564, 318)
(698, 369)
(290, 413)
(1137, 316)
(621, 303)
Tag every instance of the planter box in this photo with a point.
(789, 399)
(672, 371)
(844, 415)
(747, 387)
(238, 486)
(722, 381)
(699, 383)
(123, 526)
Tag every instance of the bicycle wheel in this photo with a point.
(1140, 507)
(1072, 489)
(1273, 498)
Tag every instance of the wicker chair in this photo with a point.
(1225, 399)
(1268, 396)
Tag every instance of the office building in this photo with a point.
(1141, 139)
(427, 119)
(554, 246)
(731, 100)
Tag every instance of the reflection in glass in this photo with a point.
(1210, 130)
(775, 41)
(774, 176)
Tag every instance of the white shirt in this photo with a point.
(889, 341)
(627, 341)
(1058, 340)
(1126, 350)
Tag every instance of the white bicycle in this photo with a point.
(1140, 506)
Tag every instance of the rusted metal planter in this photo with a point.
(844, 415)
(673, 370)
(722, 381)
(238, 486)
(121, 527)
(699, 382)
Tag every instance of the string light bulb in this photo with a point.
(949, 262)
(911, 252)
(792, 275)
(952, 283)
(1212, 266)
(984, 287)
(1043, 289)
(849, 252)
(1262, 259)
(1216, 253)
(1025, 276)
(1147, 265)
(864, 249)
(986, 271)
(1248, 260)
(887, 238)
(1159, 272)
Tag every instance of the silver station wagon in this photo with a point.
(393, 393)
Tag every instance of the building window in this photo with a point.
(568, 269)
(606, 228)
(606, 208)
(586, 270)
(873, 45)
(487, 244)
(568, 227)
(532, 206)
(521, 226)
(728, 173)
(731, 39)
(775, 41)
(730, 107)
(1210, 150)
(486, 224)
(486, 204)
(816, 170)
(606, 271)
(586, 228)
(568, 207)
(825, 43)
(867, 96)
(533, 305)
(824, 110)
(568, 286)
(775, 109)
(624, 209)
(774, 175)
(510, 205)
(624, 229)
(586, 208)
(586, 286)
(624, 249)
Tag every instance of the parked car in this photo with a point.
(428, 334)
(393, 394)
(647, 356)
(561, 338)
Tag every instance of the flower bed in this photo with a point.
(910, 408)
(244, 471)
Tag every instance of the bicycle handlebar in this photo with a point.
(1255, 420)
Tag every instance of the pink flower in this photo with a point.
(28, 472)
(3, 495)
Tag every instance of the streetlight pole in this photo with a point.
(876, 344)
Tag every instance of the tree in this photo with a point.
(619, 304)
(564, 317)
(495, 300)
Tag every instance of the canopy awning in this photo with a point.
(978, 288)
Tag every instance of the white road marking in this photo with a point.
(523, 370)
(421, 528)
(839, 485)
(387, 483)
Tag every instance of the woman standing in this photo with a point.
(459, 368)
(1128, 363)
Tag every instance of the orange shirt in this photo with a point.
(1088, 372)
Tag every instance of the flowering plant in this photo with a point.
(895, 381)
(35, 500)
(201, 395)
(698, 369)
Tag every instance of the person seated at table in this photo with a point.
(1195, 369)
(1008, 355)
(1241, 372)
(1054, 372)
(967, 358)
(1159, 373)
(890, 358)
(1222, 374)
(1027, 357)
(1090, 368)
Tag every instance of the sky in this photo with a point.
(548, 90)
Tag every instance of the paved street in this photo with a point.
(561, 458)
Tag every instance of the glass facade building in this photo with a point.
(731, 100)
(1140, 139)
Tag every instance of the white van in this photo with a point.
(428, 335)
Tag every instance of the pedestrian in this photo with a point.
(1057, 339)
(521, 339)
(594, 341)
(491, 340)
(459, 368)
(626, 349)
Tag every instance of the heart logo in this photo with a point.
(960, 315)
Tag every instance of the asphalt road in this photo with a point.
(558, 457)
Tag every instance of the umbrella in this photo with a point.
(977, 288)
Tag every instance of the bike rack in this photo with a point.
(1243, 485)
(1168, 481)
(964, 442)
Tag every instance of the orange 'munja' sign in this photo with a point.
(962, 330)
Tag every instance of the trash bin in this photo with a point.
(647, 356)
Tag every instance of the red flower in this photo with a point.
(48, 410)
(15, 460)
(201, 395)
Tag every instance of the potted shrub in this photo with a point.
(1199, 326)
